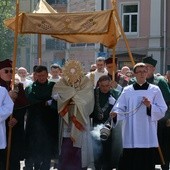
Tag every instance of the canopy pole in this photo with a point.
(122, 31)
(13, 80)
(113, 63)
(113, 60)
(39, 49)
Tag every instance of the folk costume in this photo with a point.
(106, 153)
(6, 108)
(41, 126)
(140, 140)
(19, 111)
(18, 131)
(75, 103)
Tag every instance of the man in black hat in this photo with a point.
(166, 129)
(161, 82)
(120, 79)
(17, 122)
(168, 75)
(153, 79)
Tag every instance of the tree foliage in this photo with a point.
(7, 9)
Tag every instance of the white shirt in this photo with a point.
(95, 75)
(6, 108)
(140, 130)
(55, 79)
(26, 82)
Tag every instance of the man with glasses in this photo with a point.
(161, 82)
(139, 106)
(17, 121)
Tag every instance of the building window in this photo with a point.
(51, 2)
(53, 44)
(27, 54)
(82, 44)
(130, 15)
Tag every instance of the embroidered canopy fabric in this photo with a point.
(85, 27)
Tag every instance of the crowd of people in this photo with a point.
(50, 115)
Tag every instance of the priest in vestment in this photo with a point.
(75, 99)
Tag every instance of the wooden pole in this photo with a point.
(122, 31)
(131, 58)
(161, 155)
(113, 60)
(113, 64)
(13, 80)
(39, 49)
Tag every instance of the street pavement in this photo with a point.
(158, 167)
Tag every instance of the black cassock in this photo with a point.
(42, 123)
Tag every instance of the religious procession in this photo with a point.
(112, 115)
(71, 120)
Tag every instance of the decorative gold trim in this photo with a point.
(73, 71)
(92, 75)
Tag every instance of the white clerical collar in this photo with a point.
(142, 83)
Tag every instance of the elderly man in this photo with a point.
(6, 108)
(22, 72)
(17, 122)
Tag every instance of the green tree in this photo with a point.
(7, 9)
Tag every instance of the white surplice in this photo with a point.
(6, 108)
(139, 130)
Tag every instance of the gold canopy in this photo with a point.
(88, 27)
